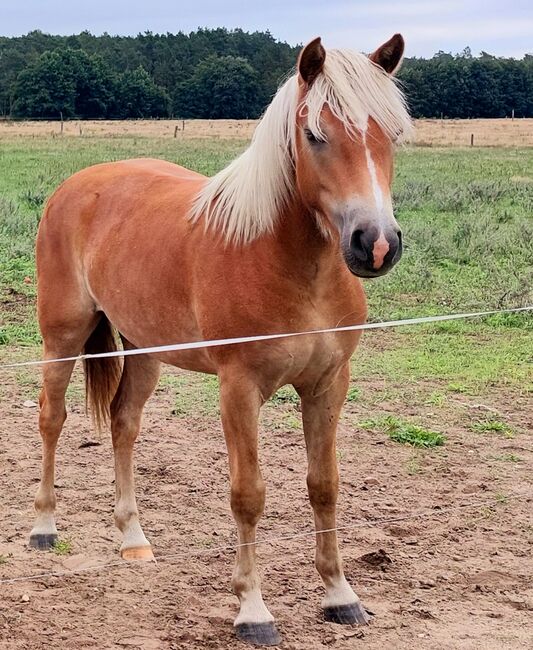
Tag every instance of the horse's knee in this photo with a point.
(248, 500)
(323, 491)
(124, 428)
(52, 416)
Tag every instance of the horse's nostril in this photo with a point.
(355, 242)
(359, 247)
(399, 249)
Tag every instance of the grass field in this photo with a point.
(436, 415)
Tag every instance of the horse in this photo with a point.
(154, 253)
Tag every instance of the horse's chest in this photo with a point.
(311, 359)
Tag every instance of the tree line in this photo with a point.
(223, 73)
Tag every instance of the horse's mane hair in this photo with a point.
(244, 200)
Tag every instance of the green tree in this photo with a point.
(70, 82)
(220, 87)
(138, 96)
(45, 89)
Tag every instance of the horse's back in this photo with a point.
(147, 166)
(153, 166)
(102, 197)
(112, 180)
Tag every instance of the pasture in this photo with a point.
(455, 568)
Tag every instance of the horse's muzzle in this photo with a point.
(371, 253)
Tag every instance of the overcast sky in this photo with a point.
(501, 28)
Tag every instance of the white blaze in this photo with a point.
(376, 189)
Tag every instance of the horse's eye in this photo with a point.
(311, 137)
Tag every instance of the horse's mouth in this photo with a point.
(366, 270)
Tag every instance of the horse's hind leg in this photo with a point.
(320, 416)
(139, 379)
(56, 377)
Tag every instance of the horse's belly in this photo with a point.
(146, 326)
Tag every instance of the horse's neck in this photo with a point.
(304, 244)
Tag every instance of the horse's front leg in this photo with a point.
(320, 417)
(240, 401)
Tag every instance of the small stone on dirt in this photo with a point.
(376, 558)
(427, 584)
(25, 598)
(30, 404)
(371, 480)
(89, 443)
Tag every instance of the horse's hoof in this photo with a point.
(258, 633)
(43, 541)
(353, 614)
(138, 554)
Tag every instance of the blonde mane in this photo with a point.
(244, 200)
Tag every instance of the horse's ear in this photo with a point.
(389, 55)
(311, 61)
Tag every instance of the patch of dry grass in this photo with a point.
(429, 133)
(487, 133)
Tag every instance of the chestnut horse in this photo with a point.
(160, 254)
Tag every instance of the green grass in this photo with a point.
(477, 356)
(62, 547)
(468, 232)
(195, 394)
(354, 394)
(405, 432)
(285, 395)
(493, 426)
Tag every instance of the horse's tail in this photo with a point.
(102, 376)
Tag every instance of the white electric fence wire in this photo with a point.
(195, 345)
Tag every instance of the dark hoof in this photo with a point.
(43, 542)
(353, 614)
(258, 633)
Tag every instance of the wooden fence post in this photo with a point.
(471, 139)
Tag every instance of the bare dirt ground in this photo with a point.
(459, 576)
(455, 133)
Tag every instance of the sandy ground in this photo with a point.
(456, 133)
(458, 577)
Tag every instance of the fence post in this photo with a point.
(176, 131)
(471, 139)
(61, 115)
(512, 115)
